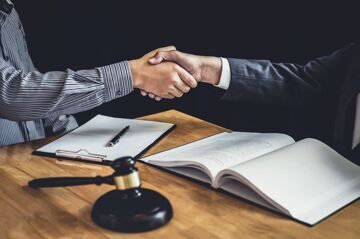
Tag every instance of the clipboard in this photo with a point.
(89, 142)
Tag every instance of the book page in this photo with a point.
(191, 172)
(308, 178)
(221, 151)
(244, 191)
(95, 135)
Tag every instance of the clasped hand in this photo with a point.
(168, 73)
(166, 80)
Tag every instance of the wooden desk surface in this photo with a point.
(199, 212)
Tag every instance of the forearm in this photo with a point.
(36, 96)
(265, 82)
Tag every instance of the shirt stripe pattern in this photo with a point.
(34, 105)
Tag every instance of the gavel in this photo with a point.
(128, 208)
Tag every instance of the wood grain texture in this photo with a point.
(199, 211)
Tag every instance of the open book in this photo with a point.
(306, 180)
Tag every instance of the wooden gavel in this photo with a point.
(129, 208)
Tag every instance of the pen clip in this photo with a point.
(81, 154)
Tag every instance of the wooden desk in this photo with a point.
(199, 212)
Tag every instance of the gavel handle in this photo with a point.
(69, 181)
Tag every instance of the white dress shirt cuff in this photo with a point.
(356, 134)
(225, 75)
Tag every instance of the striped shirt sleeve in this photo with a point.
(117, 80)
(36, 95)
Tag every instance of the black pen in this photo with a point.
(116, 139)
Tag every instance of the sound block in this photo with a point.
(123, 212)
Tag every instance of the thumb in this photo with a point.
(160, 56)
(157, 59)
(156, 54)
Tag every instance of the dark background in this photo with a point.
(83, 34)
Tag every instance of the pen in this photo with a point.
(116, 139)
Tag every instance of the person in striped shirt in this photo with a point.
(34, 105)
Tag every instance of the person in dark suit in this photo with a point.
(331, 83)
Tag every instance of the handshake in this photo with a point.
(168, 73)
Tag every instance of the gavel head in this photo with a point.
(130, 208)
(123, 164)
(126, 175)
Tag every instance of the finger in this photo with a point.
(180, 85)
(162, 49)
(175, 92)
(151, 95)
(143, 93)
(157, 59)
(168, 96)
(155, 97)
(167, 48)
(174, 56)
(186, 77)
(161, 56)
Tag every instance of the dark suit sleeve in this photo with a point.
(265, 82)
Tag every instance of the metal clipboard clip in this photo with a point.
(81, 154)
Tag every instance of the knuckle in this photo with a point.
(173, 78)
(175, 67)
